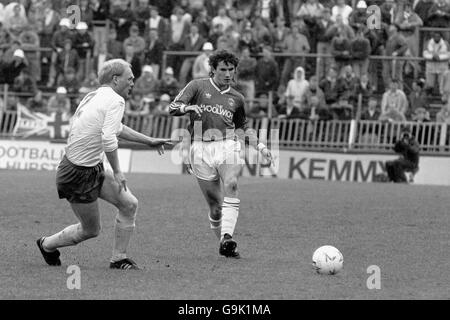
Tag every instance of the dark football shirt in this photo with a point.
(223, 110)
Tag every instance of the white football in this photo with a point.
(327, 260)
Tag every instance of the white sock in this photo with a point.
(122, 236)
(230, 213)
(216, 226)
(70, 236)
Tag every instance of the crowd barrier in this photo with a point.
(295, 134)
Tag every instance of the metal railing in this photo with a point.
(334, 135)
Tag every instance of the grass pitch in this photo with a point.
(402, 229)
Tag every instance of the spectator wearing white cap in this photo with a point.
(58, 43)
(168, 84)
(84, 44)
(59, 102)
(11, 68)
(147, 82)
(358, 17)
(201, 68)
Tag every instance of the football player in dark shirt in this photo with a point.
(218, 118)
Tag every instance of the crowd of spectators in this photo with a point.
(330, 86)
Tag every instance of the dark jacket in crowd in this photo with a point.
(409, 150)
(360, 48)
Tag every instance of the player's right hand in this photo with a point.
(120, 179)
(194, 108)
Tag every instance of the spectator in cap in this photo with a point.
(153, 53)
(136, 41)
(84, 45)
(12, 67)
(201, 68)
(58, 42)
(358, 17)
(59, 102)
(147, 82)
(168, 84)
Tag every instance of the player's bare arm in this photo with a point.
(134, 136)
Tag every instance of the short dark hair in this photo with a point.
(222, 56)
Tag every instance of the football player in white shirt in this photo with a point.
(81, 177)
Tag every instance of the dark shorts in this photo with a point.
(79, 184)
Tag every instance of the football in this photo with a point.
(327, 260)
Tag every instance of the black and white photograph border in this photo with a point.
(304, 201)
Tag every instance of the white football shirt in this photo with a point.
(95, 127)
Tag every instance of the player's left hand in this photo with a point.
(159, 144)
(121, 181)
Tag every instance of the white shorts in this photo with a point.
(206, 157)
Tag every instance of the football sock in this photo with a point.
(216, 226)
(122, 236)
(70, 236)
(230, 213)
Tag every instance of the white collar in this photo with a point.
(217, 88)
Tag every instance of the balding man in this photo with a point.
(81, 178)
